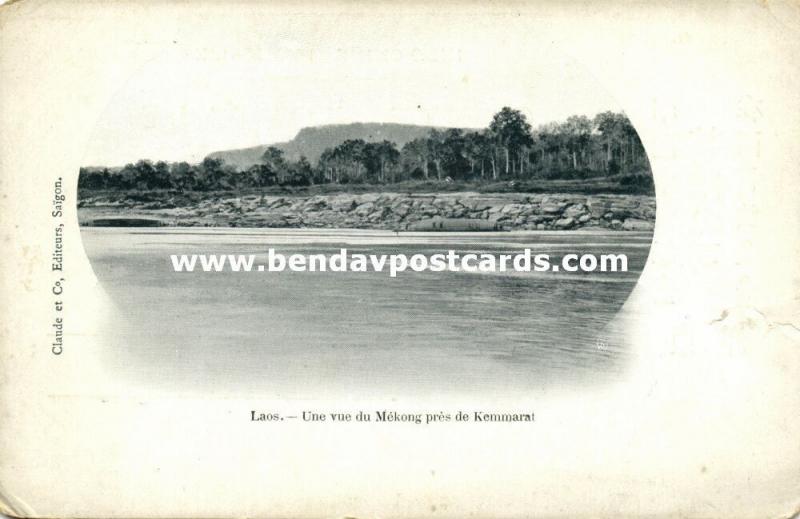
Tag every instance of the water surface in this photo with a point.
(302, 334)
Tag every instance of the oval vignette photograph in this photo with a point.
(433, 227)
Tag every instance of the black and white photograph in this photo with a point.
(402, 174)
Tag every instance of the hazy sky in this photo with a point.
(189, 101)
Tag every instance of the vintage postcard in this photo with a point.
(399, 260)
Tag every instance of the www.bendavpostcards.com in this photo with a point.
(393, 264)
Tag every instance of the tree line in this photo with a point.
(508, 149)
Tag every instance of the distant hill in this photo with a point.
(312, 141)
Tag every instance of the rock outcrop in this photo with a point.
(391, 210)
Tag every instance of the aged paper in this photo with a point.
(132, 133)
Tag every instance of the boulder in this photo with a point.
(398, 201)
(483, 203)
(368, 197)
(458, 212)
(379, 214)
(390, 197)
(428, 210)
(277, 202)
(633, 224)
(564, 223)
(574, 211)
(421, 200)
(597, 207)
(364, 209)
(315, 203)
(512, 209)
(552, 208)
(400, 210)
(342, 203)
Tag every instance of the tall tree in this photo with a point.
(577, 131)
(274, 159)
(388, 157)
(477, 148)
(302, 172)
(414, 157)
(434, 150)
(511, 129)
(609, 124)
(454, 161)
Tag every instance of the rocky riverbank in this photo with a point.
(514, 211)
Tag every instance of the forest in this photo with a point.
(508, 149)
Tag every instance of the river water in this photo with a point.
(302, 334)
